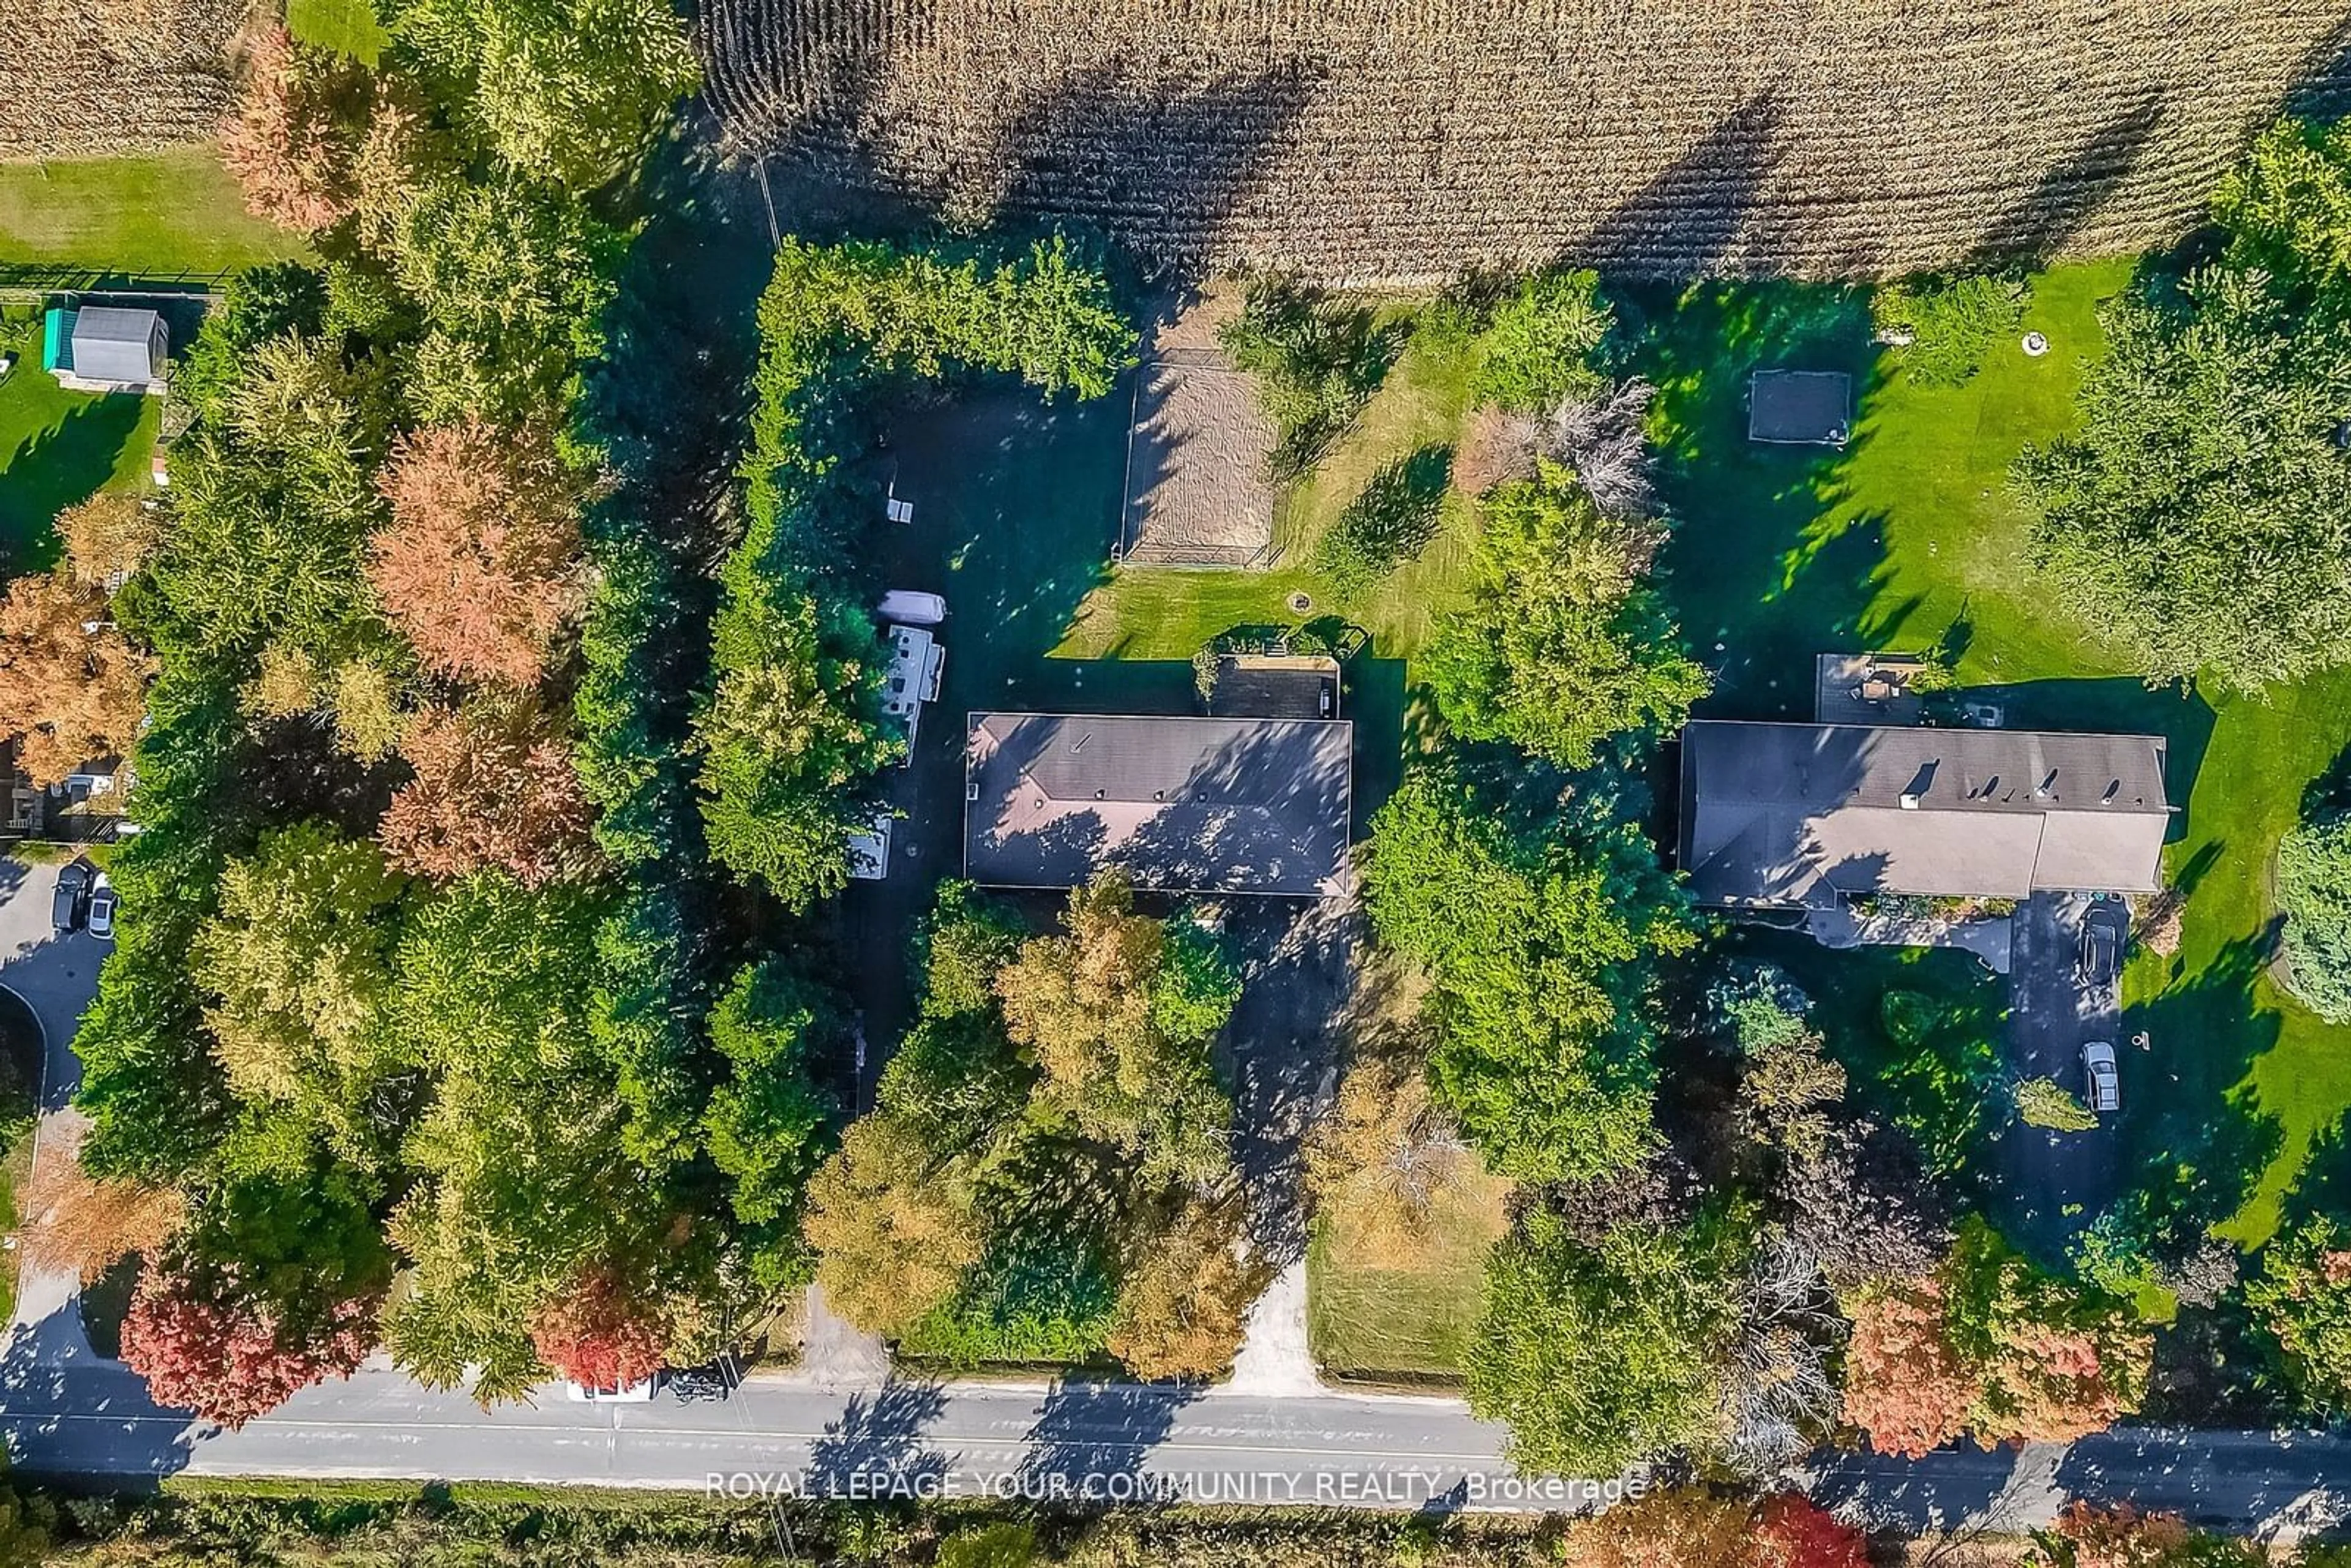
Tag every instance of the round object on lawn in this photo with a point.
(1301, 602)
(2035, 345)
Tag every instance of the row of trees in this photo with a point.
(392, 992)
(792, 729)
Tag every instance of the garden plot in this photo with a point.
(1198, 490)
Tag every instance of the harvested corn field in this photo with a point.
(90, 77)
(1398, 140)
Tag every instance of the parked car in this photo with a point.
(700, 1385)
(102, 901)
(72, 900)
(636, 1393)
(2102, 1085)
(2100, 959)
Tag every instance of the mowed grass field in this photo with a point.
(158, 215)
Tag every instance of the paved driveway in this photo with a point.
(56, 976)
(2062, 1181)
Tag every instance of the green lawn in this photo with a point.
(1908, 537)
(58, 447)
(347, 26)
(153, 215)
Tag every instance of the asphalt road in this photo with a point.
(1106, 1442)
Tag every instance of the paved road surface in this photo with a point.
(1111, 1441)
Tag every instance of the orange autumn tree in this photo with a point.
(495, 787)
(81, 1224)
(598, 1334)
(71, 687)
(1992, 1346)
(106, 536)
(291, 141)
(480, 564)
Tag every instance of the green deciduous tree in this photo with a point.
(793, 731)
(522, 1176)
(566, 89)
(2202, 513)
(1118, 1015)
(1537, 348)
(2302, 1296)
(766, 1122)
(1562, 647)
(1538, 949)
(1601, 1355)
(298, 962)
(1317, 358)
(2314, 892)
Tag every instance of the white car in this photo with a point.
(102, 901)
(638, 1392)
(2102, 1085)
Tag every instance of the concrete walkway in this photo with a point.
(835, 1353)
(1274, 1360)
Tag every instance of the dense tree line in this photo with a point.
(792, 730)
(393, 991)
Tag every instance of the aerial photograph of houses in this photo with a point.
(1176, 783)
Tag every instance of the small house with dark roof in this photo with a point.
(1809, 815)
(102, 348)
(1181, 805)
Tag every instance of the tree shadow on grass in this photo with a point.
(54, 468)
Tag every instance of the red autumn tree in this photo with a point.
(495, 787)
(599, 1334)
(1791, 1531)
(1692, 1527)
(71, 688)
(480, 562)
(291, 141)
(1904, 1384)
(205, 1345)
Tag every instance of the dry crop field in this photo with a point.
(90, 77)
(1400, 140)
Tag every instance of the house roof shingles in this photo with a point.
(1192, 805)
(1801, 813)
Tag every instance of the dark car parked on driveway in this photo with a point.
(72, 900)
(2101, 957)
